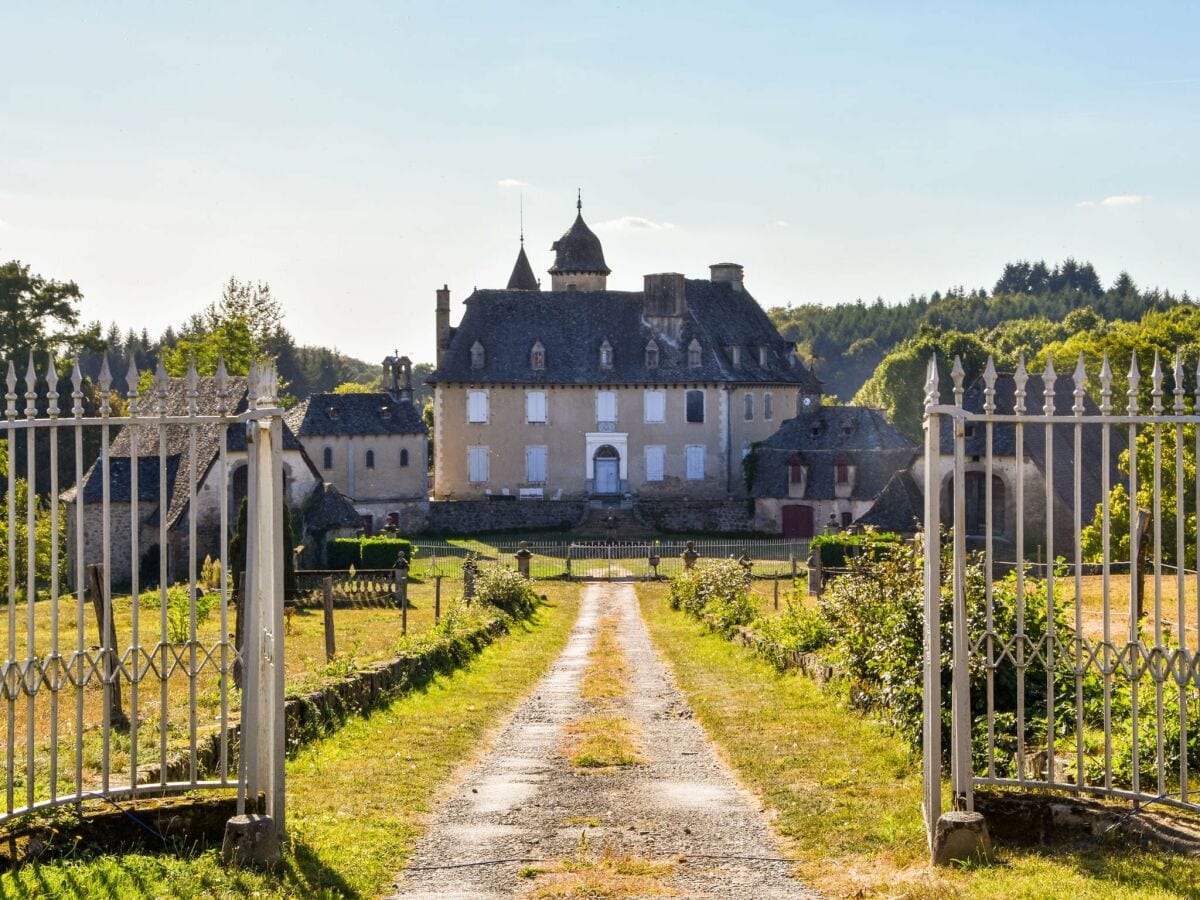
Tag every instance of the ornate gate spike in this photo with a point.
(131, 392)
(933, 395)
(105, 384)
(1080, 379)
(1134, 379)
(1178, 376)
(1020, 377)
(30, 389)
(76, 390)
(989, 386)
(222, 387)
(52, 383)
(192, 390)
(1106, 386)
(1156, 386)
(1049, 376)
(957, 374)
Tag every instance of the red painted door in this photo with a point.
(797, 521)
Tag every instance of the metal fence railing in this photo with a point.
(639, 559)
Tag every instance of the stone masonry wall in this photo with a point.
(723, 516)
(477, 516)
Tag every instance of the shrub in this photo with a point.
(378, 552)
(798, 629)
(179, 622)
(836, 549)
(507, 590)
(714, 590)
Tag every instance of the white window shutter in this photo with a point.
(535, 406)
(477, 464)
(655, 406)
(655, 462)
(477, 406)
(535, 465)
(695, 462)
(606, 406)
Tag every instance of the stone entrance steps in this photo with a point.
(595, 524)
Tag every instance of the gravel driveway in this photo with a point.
(523, 801)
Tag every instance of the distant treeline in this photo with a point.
(846, 342)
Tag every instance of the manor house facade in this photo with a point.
(583, 392)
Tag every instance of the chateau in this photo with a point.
(582, 392)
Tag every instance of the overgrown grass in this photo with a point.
(846, 793)
(605, 739)
(357, 799)
(606, 874)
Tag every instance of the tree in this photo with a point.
(30, 306)
(898, 384)
(231, 339)
(249, 303)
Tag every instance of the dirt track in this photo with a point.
(523, 801)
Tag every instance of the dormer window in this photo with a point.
(694, 354)
(334, 413)
(537, 357)
(652, 355)
(762, 357)
(606, 355)
(477, 356)
(385, 412)
(795, 470)
(735, 356)
(842, 471)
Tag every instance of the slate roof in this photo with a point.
(176, 445)
(899, 506)
(578, 250)
(355, 414)
(328, 508)
(822, 437)
(522, 277)
(1004, 436)
(572, 326)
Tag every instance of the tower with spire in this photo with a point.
(522, 277)
(578, 257)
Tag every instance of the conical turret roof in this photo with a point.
(578, 250)
(522, 277)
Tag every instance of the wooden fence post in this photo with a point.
(108, 645)
(330, 638)
(401, 576)
(437, 599)
(776, 591)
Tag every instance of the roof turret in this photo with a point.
(522, 277)
(578, 250)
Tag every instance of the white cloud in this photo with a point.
(1115, 200)
(512, 183)
(633, 223)
(782, 223)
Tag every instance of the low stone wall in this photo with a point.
(719, 516)
(479, 516)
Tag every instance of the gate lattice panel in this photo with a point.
(1073, 665)
(118, 679)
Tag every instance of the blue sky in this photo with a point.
(357, 156)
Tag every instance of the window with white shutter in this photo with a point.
(606, 406)
(768, 407)
(477, 406)
(749, 411)
(655, 406)
(535, 465)
(695, 462)
(656, 459)
(535, 407)
(477, 465)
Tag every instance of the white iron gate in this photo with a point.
(119, 675)
(1067, 670)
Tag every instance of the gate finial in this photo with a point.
(105, 383)
(222, 387)
(1156, 383)
(957, 374)
(1178, 375)
(1049, 376)
(131, 387)
(1135, 378)
(1106, 386)
(76, 391)
(193, 390)
(160, 388)
(30, 389)
(1020, 377)
(52, 383)
(1080, 379)
(989, 386)
(933, 396)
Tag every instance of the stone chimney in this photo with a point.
(730, 273)
(443, 322)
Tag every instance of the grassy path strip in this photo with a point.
(357, 799)
(846, 794)
(604, 740)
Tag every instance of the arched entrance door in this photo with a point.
(607, 463)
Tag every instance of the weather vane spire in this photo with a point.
(522, 208)
(579, 199)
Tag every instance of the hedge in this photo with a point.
(835, 549)
(367, 552)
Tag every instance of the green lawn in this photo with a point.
(357, 799)
(845, 793)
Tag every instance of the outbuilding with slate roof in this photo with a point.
(825, 468)
(300, 478)
(584, 392)
(374, 447)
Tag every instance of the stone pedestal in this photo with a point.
(250, 840)
(961, 836)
